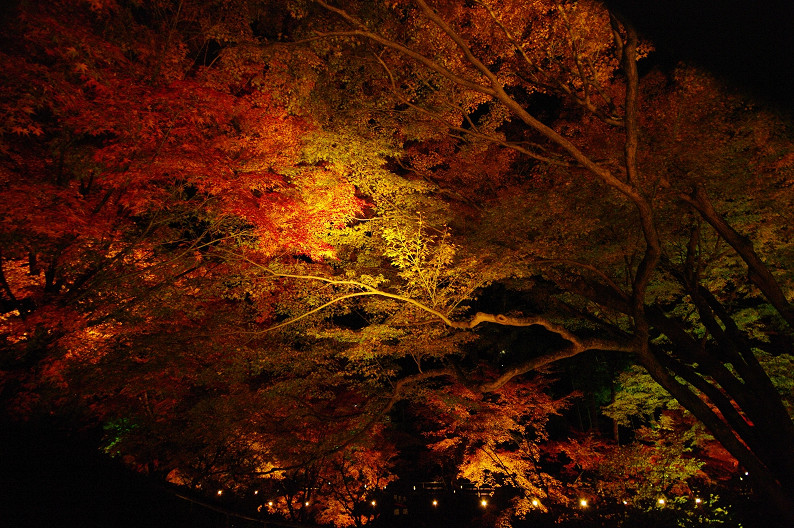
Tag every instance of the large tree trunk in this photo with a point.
(762, 447)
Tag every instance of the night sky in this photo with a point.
(749, 44)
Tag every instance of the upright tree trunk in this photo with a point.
(772, 484)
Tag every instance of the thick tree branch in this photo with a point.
(653, 249)
(758, 271)
(419, 57)
(762, 476)
(629, 60)
(431, 64)
(461, 44)
(575, 348)
(577, 344)
(498, 92)
(474, 321)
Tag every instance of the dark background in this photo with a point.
(747, 43)
(52, 476)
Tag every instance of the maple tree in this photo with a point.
(655, 277)
(499, 442)
(126, 165)
(243, 234)
(140, 145)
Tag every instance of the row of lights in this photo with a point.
(270, 503)
(582, 502)
(484, 502)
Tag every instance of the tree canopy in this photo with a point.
(298, 247)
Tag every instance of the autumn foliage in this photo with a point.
(294, 247)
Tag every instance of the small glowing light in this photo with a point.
(535, 502)
(259, 508)
(661, 502)
(220, 492)
(746, 472)
(256, 492)
(306, 503)
(373, 503)
(270, 503)
(435, 502)
(583, 503)
(484, 503)
(624, 503)
(698, 501)
(414, 488)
